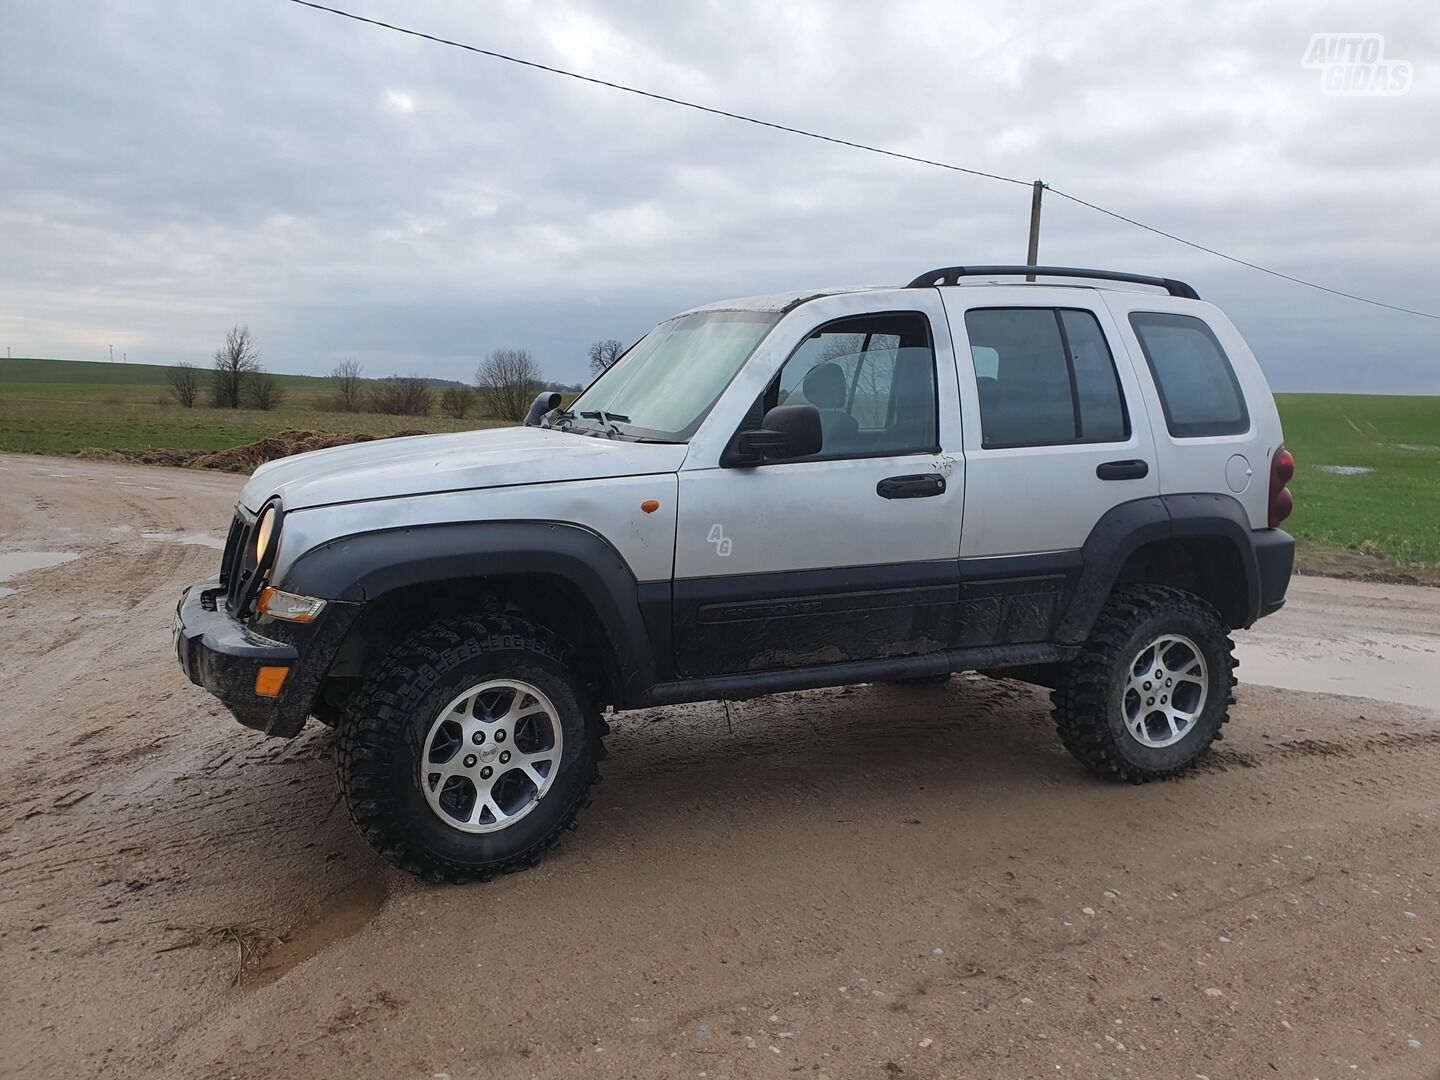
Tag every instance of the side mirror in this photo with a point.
(546, 401)
(788, 431)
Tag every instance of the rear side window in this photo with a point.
(1045, 377)
(1197, 386)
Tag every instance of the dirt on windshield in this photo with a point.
(869, 882)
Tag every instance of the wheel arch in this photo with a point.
(565, 577)
(1200, 543)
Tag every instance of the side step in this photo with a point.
(758, 683)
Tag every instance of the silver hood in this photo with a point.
(424, 464)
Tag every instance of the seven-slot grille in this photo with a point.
(237, 566)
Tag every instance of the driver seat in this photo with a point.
(824, 387)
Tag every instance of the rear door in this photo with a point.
(1056, 434)
(847, 555)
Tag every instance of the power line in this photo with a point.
(1235, 259)
(727, 114)
(657, 97)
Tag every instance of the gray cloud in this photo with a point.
(168, 169)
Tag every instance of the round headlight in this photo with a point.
(265, 532)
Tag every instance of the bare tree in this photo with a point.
(349, 386)
(508, 379)
(235, 362)
(401, 395)
(184, 379)
(456, 401)
(604, 353)
(262, 391)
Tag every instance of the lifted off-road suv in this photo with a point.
(1075, 485)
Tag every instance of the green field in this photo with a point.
(1383, 523)
(65, 406)
(1380, 522)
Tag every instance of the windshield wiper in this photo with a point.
(610, 420)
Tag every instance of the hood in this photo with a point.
(424, 464)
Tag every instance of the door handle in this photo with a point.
(915, 486)
(1123, 470)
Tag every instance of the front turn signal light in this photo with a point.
(279, 604)
(269, 680)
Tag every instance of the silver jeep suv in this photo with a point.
(1077, 483)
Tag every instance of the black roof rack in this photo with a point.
(951, 275)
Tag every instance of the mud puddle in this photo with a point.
(15, 563)
(341, 916)
(1403, 668)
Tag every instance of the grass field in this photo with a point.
(1379, 523)
(1363, 521)
(64, 406)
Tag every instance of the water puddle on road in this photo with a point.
(342, 916)
(14, 563)
(1403, 668)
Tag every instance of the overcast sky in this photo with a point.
(170, 168)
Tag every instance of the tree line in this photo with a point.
(237, 379)
(505, 383)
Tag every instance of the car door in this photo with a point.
(1056, 435)
(849, 554)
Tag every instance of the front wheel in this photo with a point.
(469, 749)
(1152, 688)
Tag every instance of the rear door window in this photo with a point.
(1197, 386)
(1045, 377)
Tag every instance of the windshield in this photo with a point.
(666, 384)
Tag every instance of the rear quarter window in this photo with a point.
(1197, 386)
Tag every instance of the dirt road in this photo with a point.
(872, 882)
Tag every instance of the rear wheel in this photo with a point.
(1152, 689)
(470, 749)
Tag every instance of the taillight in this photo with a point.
(1282, 470)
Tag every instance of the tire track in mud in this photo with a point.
(1223, 757)
(206, 790)
(179, 800)
(120, 592)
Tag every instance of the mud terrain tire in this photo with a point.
(1089, 704)
(380, 745)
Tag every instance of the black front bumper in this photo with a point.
(223, 655)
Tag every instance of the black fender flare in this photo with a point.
(1124, 529)
(365, 566)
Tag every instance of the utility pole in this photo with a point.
(1032, 258)
(112, 354)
